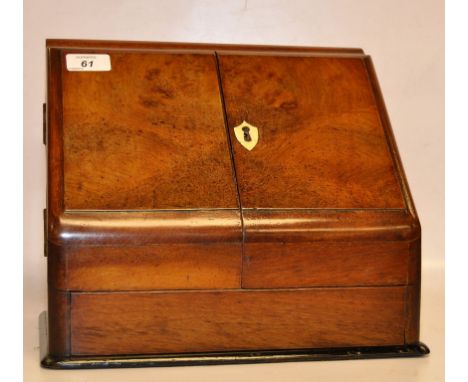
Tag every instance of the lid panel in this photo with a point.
(148, 134)
(320, 140)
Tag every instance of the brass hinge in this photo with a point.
(44, 215)
(44, 123)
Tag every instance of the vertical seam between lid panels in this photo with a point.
(233, 163)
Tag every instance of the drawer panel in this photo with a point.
(277, 265)
(171, 266)
(200, 321)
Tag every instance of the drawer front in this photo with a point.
(201, 321)
(171, 266)
(280, 265)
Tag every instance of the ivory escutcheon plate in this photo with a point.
(247, 135)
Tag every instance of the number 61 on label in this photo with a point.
(88, 62)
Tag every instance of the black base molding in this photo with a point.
(223, 358)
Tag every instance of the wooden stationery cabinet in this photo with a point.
(222, 204)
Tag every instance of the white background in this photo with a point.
(406, 42)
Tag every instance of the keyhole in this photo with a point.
(247, 136)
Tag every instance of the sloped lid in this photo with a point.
(321, 143)
(314, 158)
(146, 134)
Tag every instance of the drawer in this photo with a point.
(283, 265)
(202, 321)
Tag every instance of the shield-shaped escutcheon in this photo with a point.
(247, 135)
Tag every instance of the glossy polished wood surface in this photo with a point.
(321, 143)
(149, 134)
(126, 323)
(297, 225)
(146, 228)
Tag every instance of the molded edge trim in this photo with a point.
(142, 45)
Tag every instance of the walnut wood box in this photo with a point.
(171, 240)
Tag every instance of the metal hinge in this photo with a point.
(44, 123)
(44, 215)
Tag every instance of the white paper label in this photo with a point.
(88, 62)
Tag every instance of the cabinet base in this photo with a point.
(222, 358)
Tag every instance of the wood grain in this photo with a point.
(126, 323)
(321, 143)
(322, 225)
(146, 228)
(149, 134)
(166, 266)
(276, 265)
